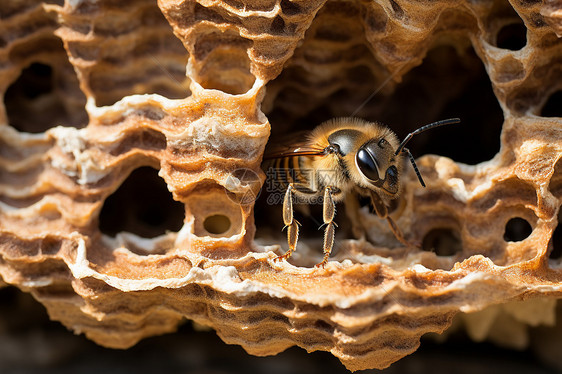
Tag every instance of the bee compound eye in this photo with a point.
(392, 175)
(367, 165)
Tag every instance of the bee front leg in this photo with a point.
(398, 233)
(382, 211)
(291, 224)
(329, 211)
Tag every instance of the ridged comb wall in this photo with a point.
(131, 137)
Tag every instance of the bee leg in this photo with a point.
(378, 205)
(382, 211)
(291, 224)
(330, 230)
(399, 235)
(292, 237)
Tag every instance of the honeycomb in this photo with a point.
(131, 138)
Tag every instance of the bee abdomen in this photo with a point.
(292, 171)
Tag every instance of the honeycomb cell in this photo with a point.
(224, 65)
(142, 205)
(216, 224)
(512, 37)
(442, 241)
(132, 52)
(50, 86)
(215, 214)
(517, 229)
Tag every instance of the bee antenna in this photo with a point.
(444, 122)
(401, 148)
(407, 151)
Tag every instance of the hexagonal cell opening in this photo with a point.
(142, 205)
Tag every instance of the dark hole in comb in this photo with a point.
(143, 206)
(512, 37)
(553, 106)
(217, 224)
(42, 98)
(442, 241)
(517, 229)
(556, 242)
(289, 8)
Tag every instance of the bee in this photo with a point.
(341, 157)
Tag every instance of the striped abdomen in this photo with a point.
(293, 170)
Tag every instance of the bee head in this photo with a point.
(370, 160)
(369, 153)
(375, 160)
